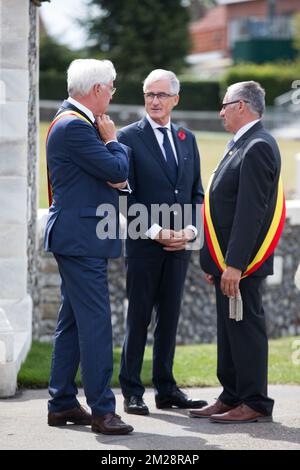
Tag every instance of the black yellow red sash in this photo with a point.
(268, 245)
(61, 115)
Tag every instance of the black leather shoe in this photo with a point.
(178, 399)
(135, 405)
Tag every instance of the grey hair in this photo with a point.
(83, 74)
(249, 91)
(161, 74)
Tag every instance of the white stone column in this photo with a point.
(297, 277)
(298, 176)
(15, 302)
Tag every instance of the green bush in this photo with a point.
(194, 95)
(276, 79)
(53, 85)
(199, 96)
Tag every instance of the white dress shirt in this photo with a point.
(153, 231)
(160, 136)
(244, 129)
(82, 108)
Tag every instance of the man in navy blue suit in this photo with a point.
(164, 170)
(86, 167)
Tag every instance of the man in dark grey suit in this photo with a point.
(164, 169)
(244, 216)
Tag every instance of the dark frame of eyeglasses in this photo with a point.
(223, 105)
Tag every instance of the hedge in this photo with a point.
(53, 86)
(194, 95)
(276, 79)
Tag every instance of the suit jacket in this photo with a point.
(151, 183)
(79, 166)
(242, 198)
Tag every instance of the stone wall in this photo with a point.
(198, 318)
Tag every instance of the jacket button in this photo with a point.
(176, 191)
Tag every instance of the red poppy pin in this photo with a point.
(181, 134)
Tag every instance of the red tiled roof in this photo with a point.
(214, 19)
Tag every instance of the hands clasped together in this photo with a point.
(174, 240)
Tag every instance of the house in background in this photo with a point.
(242, 31)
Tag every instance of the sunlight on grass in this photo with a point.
(211, 147)
(194, 365)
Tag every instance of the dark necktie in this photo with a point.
(170, 157)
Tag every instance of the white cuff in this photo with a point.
(193, 228)
(109, 141)
(128, 189)
(153, 231)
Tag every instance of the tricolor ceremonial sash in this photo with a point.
(61, 115)
(268, 245)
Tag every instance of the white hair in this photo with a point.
(161, 74)
(250, 91)
(83, 74)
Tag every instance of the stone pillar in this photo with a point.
(297, 277)
(297, 176)
(15, 199)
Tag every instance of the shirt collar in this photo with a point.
(244, 129)
(155, 125)
(82, 108)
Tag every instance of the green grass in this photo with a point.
(211, 146)
(195, 365)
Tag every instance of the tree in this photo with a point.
(55, 56)
(140, 36)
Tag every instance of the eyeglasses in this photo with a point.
(223, 106)
(160, 96)
(111, 90)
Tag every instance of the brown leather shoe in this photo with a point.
(110, 423)
(217, 408)
(77, 416)
(240, 415)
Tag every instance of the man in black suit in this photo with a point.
(164, 169)
(243, 218)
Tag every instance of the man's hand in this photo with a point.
(209, 278)
(117, 185)
(106, 127)
(174, 241)
(230, 281)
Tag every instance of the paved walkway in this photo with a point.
(23, 426)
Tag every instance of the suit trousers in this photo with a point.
(152, 283)
(243, 349)
(83, 335)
